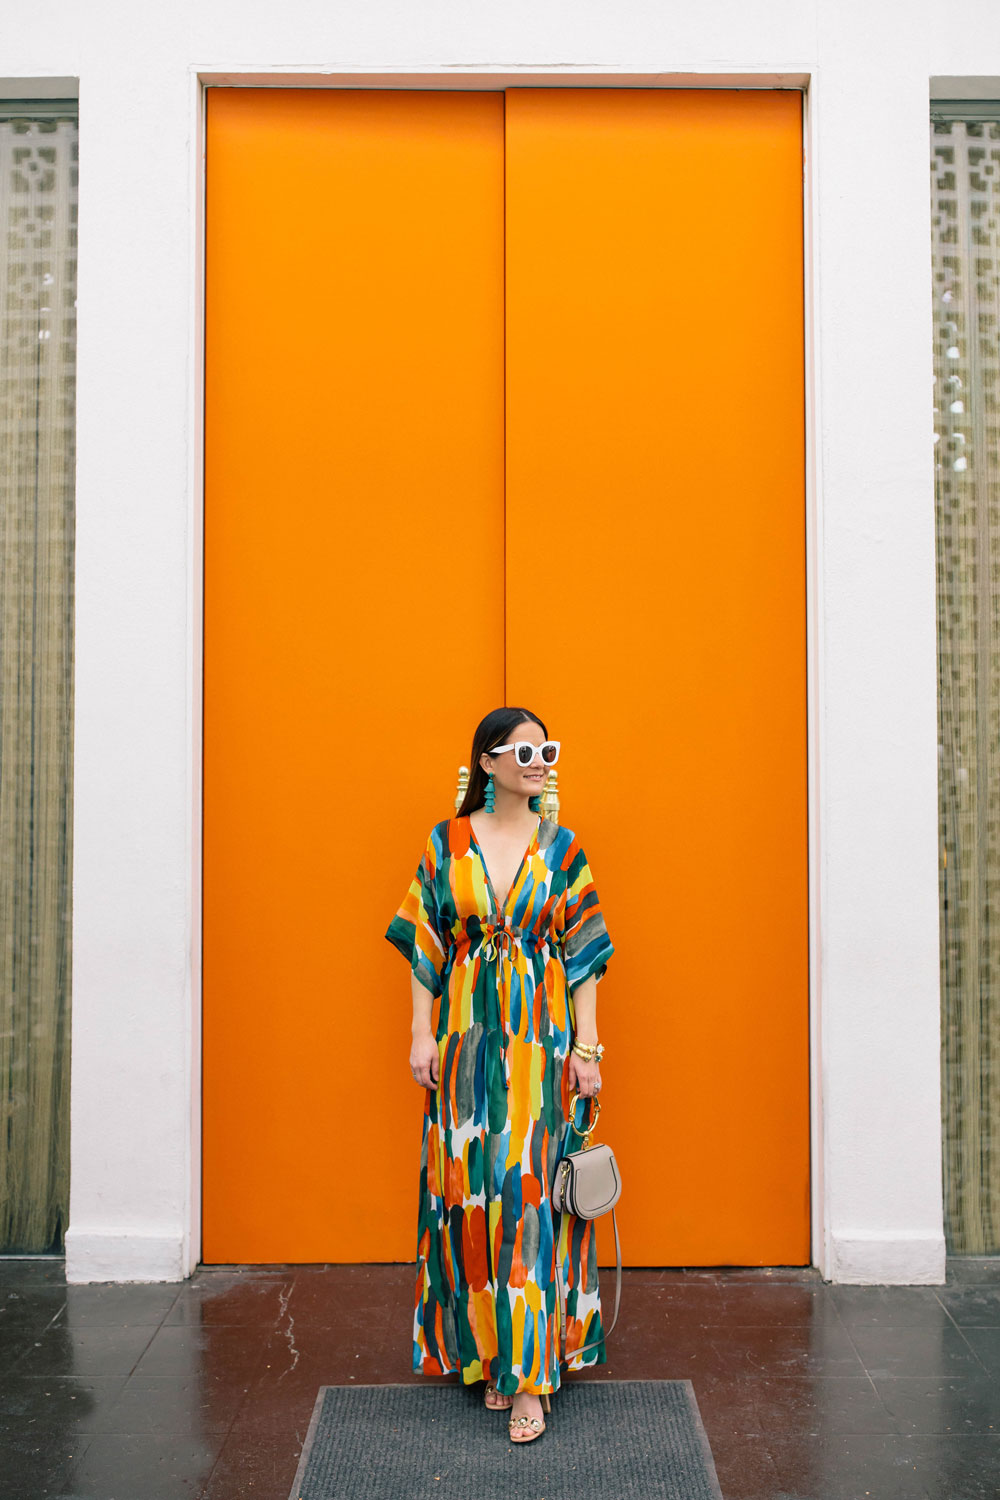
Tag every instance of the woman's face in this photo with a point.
(526, 780)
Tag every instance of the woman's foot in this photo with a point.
(495, 1399)
(526, 1420)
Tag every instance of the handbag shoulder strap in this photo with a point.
(562, 1298)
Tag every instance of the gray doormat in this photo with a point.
(607, 1438)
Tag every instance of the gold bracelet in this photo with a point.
(589, 1051)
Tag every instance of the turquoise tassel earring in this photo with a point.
(535, 802)
(489, 801)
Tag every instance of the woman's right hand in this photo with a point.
(424, 1060)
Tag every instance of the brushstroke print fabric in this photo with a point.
(495, 1127)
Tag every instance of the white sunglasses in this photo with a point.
(525, 752)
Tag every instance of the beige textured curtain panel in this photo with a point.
(38, 207)
(965, 203)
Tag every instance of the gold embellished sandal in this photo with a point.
(502, 1402)
(531, 1427)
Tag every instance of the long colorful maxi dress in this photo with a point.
(495, 1127)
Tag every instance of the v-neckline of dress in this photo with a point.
(501, 910)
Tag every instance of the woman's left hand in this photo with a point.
(584, 1077)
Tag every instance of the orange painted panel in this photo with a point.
(656, 609)
(354, 466)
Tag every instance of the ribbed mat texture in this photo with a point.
(607, 1438)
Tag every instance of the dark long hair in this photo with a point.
(495, 729)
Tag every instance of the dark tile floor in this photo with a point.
(203, 1389)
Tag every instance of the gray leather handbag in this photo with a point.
(588, 1184)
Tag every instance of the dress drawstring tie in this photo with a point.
(499, 938)
(498, 943)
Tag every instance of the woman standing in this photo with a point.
(502, 921)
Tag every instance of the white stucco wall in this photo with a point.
(868, 71)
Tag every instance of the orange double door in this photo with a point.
(504, 403)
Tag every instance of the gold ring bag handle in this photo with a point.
(595, 1115)
(587, 1185)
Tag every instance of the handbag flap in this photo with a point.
(593, 1185)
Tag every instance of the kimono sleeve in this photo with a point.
(416, 930)
(586, 946)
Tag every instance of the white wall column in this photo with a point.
(877, 974)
